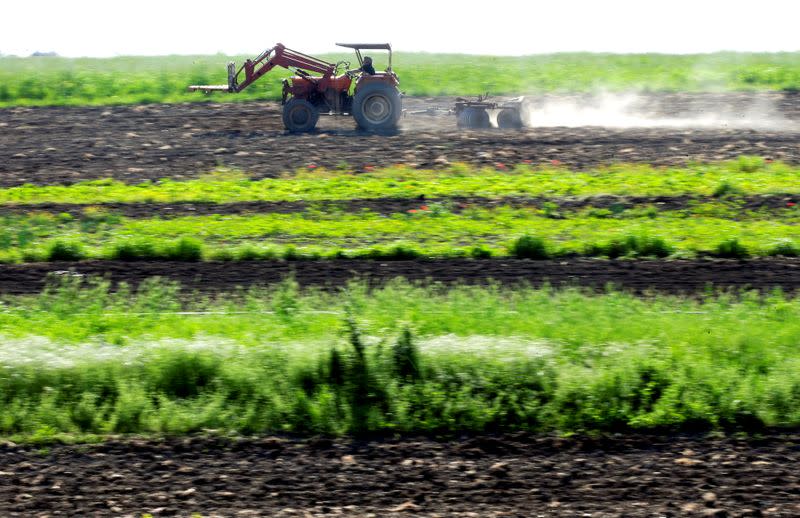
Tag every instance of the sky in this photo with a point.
(501, 27)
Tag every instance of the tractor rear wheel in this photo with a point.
(377, 107)
(473, 118)
(509, 118)
(300, 116)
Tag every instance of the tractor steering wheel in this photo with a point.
(345, 64)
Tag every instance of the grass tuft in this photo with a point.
(134, 250)
(731, 249)
(185, 249)
(750, 164)
(65, 251)
(785, 248)
(727, 189)
(529, 247)
(631, 246)
(480, 252)
(399, 252)
(405, 356)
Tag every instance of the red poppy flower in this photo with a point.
(412, 211)
(500, 165)
(555, 162)
(424, 207)
(790, 204)
(312, 166)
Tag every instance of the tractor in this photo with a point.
(374, 101)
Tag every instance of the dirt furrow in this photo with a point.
(388, 206)
(639, 276)
(482, 476)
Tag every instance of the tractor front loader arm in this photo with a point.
(277, 56)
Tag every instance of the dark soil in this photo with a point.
(640, 276)
(513, 476)
(394, 205)
(52, 145)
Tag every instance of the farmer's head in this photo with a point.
(367, 60)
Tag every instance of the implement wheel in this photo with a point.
(473, 118)
(300, 116)
(377, 107)
(509, 118)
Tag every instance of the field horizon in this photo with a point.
(53, 80)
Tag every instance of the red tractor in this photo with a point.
(372, 99)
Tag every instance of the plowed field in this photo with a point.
(135, 143)
(519, 476)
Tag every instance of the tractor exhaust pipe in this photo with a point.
(232, 83)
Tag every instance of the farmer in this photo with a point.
(367, 67)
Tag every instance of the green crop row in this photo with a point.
(745, 176)
(80, 359)
(53, 80)
(437, 230)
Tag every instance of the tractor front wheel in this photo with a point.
(473, 118)
(300, 116)
(377, 107)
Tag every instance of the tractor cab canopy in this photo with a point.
(358, 47)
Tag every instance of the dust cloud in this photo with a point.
(631, 110)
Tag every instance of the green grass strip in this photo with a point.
(747, 175)
(79, 359)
